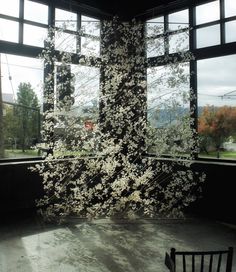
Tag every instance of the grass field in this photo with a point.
(18, 153)
(223, 155)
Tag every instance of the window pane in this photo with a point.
(90, 46)
(90, 26)
(36, 12)
(66, 19)
(230, 8)
(77, 123)
(165, 82)
(155, 47)
(34, 35)
(167, 89)
(9, 30)
(22, 80)
(230, 31)
(179, 42)
(155, 26)
(208, 36)
(217, 106)
(178, 20)
(10, 7)
(65, 42)
(207, 12)
(86, 91)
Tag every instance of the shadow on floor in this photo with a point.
(104, 245)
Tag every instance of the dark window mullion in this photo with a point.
(51, 15)
(166, 34)
(231, 18)
(222, 24)
(193, 70)
(78, 35)
(21, 21)
(35, 24)
(172, 32)
(10, 18)
(51, 23)
(49, 67)
(192, 31)
(208, 24)
(194, 100)
(68, 31)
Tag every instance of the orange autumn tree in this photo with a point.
(215, 125)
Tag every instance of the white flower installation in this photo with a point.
(98, 162)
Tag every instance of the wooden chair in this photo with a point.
(199, 261)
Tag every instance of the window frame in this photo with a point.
(19, 48)
(222, 49)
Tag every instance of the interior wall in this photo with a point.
(19, 188)
(218, 199)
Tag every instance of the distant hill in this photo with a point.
(165, 116)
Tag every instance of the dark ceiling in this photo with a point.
(124, 9)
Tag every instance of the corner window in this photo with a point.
(212, 32)
(24, 78)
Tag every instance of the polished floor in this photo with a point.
(29, 245)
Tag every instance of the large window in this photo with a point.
(24, 27)
(211, 38)
(168, 105)
(168, 85)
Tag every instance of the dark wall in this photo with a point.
(19, 188)
(218, 199)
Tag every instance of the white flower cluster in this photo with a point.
(104, 170)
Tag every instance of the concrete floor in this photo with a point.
(104, 245)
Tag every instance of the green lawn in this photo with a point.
(223, 155)
(18, 153)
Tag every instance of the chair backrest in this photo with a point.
(200, 261)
